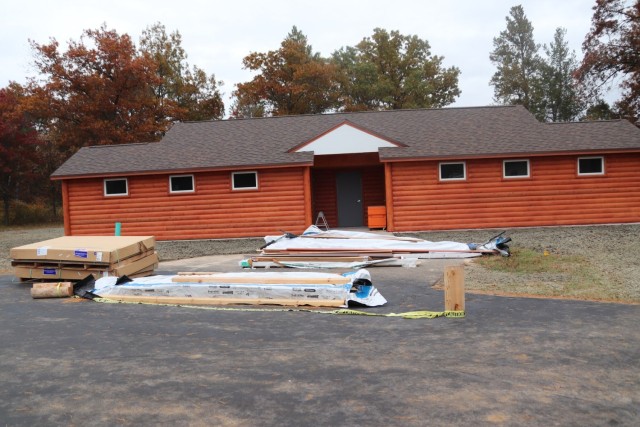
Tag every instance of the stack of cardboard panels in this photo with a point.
(76, 257)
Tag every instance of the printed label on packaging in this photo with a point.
(81, 253)
(98, 256)
(51, 271)
(42, 251)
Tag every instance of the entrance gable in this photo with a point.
(346, 138)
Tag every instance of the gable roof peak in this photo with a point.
(346, 137)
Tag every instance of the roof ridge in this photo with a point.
(350, 113)
(119, 145)
(584, 122)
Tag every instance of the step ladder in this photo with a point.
(321, 221)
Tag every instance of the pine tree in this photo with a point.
(515, 54)
(561, 98)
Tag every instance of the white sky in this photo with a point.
(217, 34)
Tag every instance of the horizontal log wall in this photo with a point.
(212, 211)
(553, 195)
(325, 192)
(323, 188)
(372, 188)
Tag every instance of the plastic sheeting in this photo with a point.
(333, 240)
(359, 289)
(282, 262)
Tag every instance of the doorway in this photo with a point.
(349, 198)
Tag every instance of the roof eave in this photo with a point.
(181, 171)
(384, 159)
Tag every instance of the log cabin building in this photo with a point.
(405, 170)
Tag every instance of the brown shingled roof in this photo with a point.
(427, 133)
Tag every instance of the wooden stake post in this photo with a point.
(454, 288)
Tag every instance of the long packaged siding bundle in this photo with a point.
(288, 289)
(75, 257)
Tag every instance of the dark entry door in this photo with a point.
(349, 189)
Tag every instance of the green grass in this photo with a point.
(523, 261)
(553, 275)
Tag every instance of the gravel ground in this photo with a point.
(609, 265)
(609, 253)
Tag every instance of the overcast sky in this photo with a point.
(217, 34)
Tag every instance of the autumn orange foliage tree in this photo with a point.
(102, 89)
(19, 144)
(612, 51)
(98, 91)
(290, 80)
(383, 72)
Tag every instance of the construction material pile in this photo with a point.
(316, 248)
(76, 257)
(289, 289)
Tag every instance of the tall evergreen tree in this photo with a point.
(600, 110)
(184, 93)
(561, 98)
(515, 54)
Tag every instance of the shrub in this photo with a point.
(21, 213)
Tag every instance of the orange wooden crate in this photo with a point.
(377, 216)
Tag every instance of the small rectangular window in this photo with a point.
(590, 166)
(181, 184)
(116, 187)
(452, 171)
(244, 180)
(515, 168)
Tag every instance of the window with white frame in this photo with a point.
(116, 187)
(453, 171)
(244, 180)
(515, 168)
(591, 166)
(181, 184)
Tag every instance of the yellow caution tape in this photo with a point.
(423, 314)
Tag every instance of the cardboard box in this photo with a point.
(89, 249)
(87, 265)
(146, 264)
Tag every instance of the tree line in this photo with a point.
(106, 89)
(555, 86)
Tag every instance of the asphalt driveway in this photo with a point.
(510, 361)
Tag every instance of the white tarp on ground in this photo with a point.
(282, 262)
(359, 288)
(316, 239)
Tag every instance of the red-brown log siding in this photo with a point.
(214, 210)
(325, 193)
(323, 188)
(553, 195)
